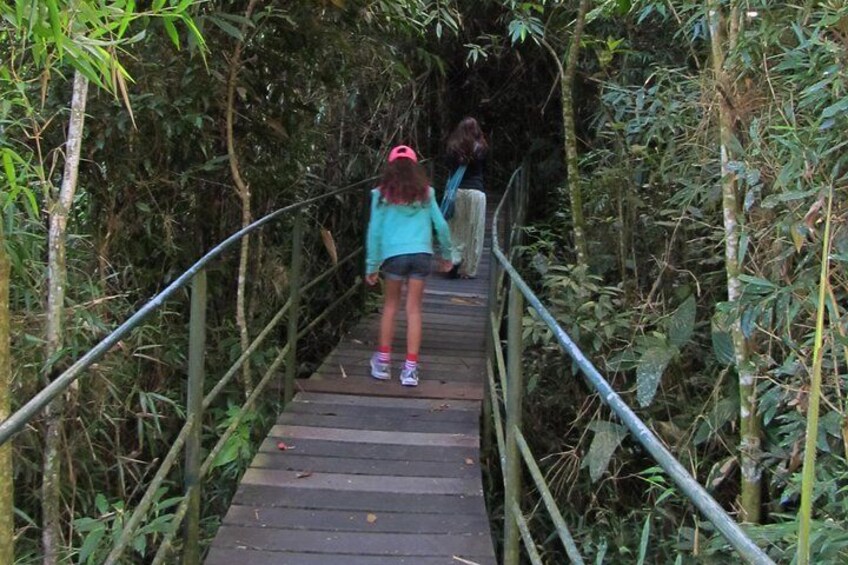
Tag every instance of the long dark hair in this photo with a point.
(404, 182)
(467, 142)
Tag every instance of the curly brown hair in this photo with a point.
(467, 142)
(404, 182)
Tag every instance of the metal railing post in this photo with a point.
(491, 318)
(514, 399)
(366, 217)
(293, 321)
(194, 409)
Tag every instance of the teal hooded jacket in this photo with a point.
(400, 229)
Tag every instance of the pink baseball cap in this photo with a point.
(403, 152)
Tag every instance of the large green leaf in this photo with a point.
(721, 338)
(649, 371)
(608, 436)
(682, 323)
(723, 347)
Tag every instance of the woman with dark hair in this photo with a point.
(467, 146)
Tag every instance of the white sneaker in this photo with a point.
(379, 369)
(409, 377)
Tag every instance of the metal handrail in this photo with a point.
(514, 445)
(189, 436)
(28, 411)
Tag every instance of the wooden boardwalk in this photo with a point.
(376, 473)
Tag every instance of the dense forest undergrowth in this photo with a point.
(686, 226)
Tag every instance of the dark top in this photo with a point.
(473, 177)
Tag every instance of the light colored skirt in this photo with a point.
(468, 228)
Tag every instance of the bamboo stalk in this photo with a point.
(749, 419)
(7, 498)
(805, 514)
(57, 275)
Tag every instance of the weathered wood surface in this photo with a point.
(372, 472)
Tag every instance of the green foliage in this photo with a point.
(608, 436)
(587, 309)
(239, 448)
(652, 352)
(316, 93)
(88, 34)
(101, 532)
(653, 204)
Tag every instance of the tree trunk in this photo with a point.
(570, 132)
(59, 210)
(7, 499)
(749, 422)
(243, 190)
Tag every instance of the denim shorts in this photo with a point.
(408, 266)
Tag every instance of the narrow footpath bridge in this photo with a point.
(363, 472)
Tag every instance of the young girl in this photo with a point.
(467, 146)
(400, 240)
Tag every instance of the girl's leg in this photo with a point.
(391, 301)
(414, 298)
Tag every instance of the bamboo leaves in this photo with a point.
(682, 323)
(608, 436)
(650, 370)
(89, 35)
(11, 162)
(652, 353)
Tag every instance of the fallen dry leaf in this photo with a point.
(466, 561)
(330, 245)
(469, 461)
(439, 408)
(344, 374)
(371, 518)
(303, 474)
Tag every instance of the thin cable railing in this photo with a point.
(188, 440)
(504, 372)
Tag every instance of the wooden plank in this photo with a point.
(451, 318)
(362, 374)
(434, 332)
(443, 340)
(366, 483)
(358, 543)
(360, 353)
(371, 326)
(228, 556)
(356, 521)
(272, 496)
(377, 451)
(436, 414)
(440, 295)
(464, 315)
(372, 387)
(294, 461)
(379, 402)
(460, 348)
(437, 289)
(380, 437)
(377, 423)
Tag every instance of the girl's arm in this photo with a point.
(373, 239)
(442, 229)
